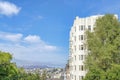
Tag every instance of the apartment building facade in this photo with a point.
(77, 46)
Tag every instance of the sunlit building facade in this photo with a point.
(77, 46)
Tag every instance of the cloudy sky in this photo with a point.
(38, 30)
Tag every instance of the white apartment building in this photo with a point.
(77, 48)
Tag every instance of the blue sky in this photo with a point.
(38, 30)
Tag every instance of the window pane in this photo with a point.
(75, 48)
(75, 57)
(81, 37)
(82, 47)
(81, 27)
(75, 68)
(81, 57)
(89, 27)
(75, 38)
(82, 67)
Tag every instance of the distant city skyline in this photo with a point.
(38, 30)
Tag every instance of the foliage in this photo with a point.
(9, 70)
(43, 76)
(103, 59)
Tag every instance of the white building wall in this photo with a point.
(77, 49)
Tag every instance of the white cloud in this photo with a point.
(8, 9)
(31, 48)
(10, 36)
(48, 47)
(32, 39)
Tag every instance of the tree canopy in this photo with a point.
(103, 59)
(9, 70)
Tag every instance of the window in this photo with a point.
(75, 48)
(72, 34)
(82, 47)
(81, 67)
(75, 77)
(79, 47)
(72, 76)
(75, 38)
(75, 68)
(82, 27)
(80, 77)
(81, 37)
(81, 57)
(75, 57)
(79, 28)
(89, 27)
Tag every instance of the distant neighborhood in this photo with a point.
(50, 72)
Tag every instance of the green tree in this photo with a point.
(103, 59)
(9, 70)
(44, 75)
